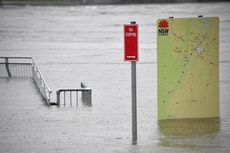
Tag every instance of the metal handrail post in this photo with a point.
(89, 97)
(86, 95)
(7, 66)
(58, 98)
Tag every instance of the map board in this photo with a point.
(188, 67)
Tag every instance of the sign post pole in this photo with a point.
(131, 55)
(134, 99)
(134, 102)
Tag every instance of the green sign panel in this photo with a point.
(188, 67)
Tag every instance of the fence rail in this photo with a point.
(40, 82)
(71, 96)
(27, 66)
(15, 67)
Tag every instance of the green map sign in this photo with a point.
(188, 67)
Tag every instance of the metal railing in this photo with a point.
(25, 67)
(40, 82)
(15, 66)
(70, 97)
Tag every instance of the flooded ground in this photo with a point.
(85, 43)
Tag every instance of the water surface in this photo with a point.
(85, 43)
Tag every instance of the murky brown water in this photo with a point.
(85, 43)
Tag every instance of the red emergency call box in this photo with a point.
(131, 42)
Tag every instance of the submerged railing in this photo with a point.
(40, 82)
(72, 96)
(15, 66)
(27, 67)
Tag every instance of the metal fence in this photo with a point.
(71, 97)
(27, 67)
(15, 67)
(40, 82)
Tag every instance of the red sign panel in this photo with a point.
(131, 42)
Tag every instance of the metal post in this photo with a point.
(83, 96)
(76, 98)
(90, 97)
(49, 95)
(58, 98)
(70, 95)
(64, 98)
(7, 67)
(86, 95)
(134, 103)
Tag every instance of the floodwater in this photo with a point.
(85, 43)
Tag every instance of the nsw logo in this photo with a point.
(163, 27)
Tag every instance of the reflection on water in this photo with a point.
(189, 127)
(175, 133)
